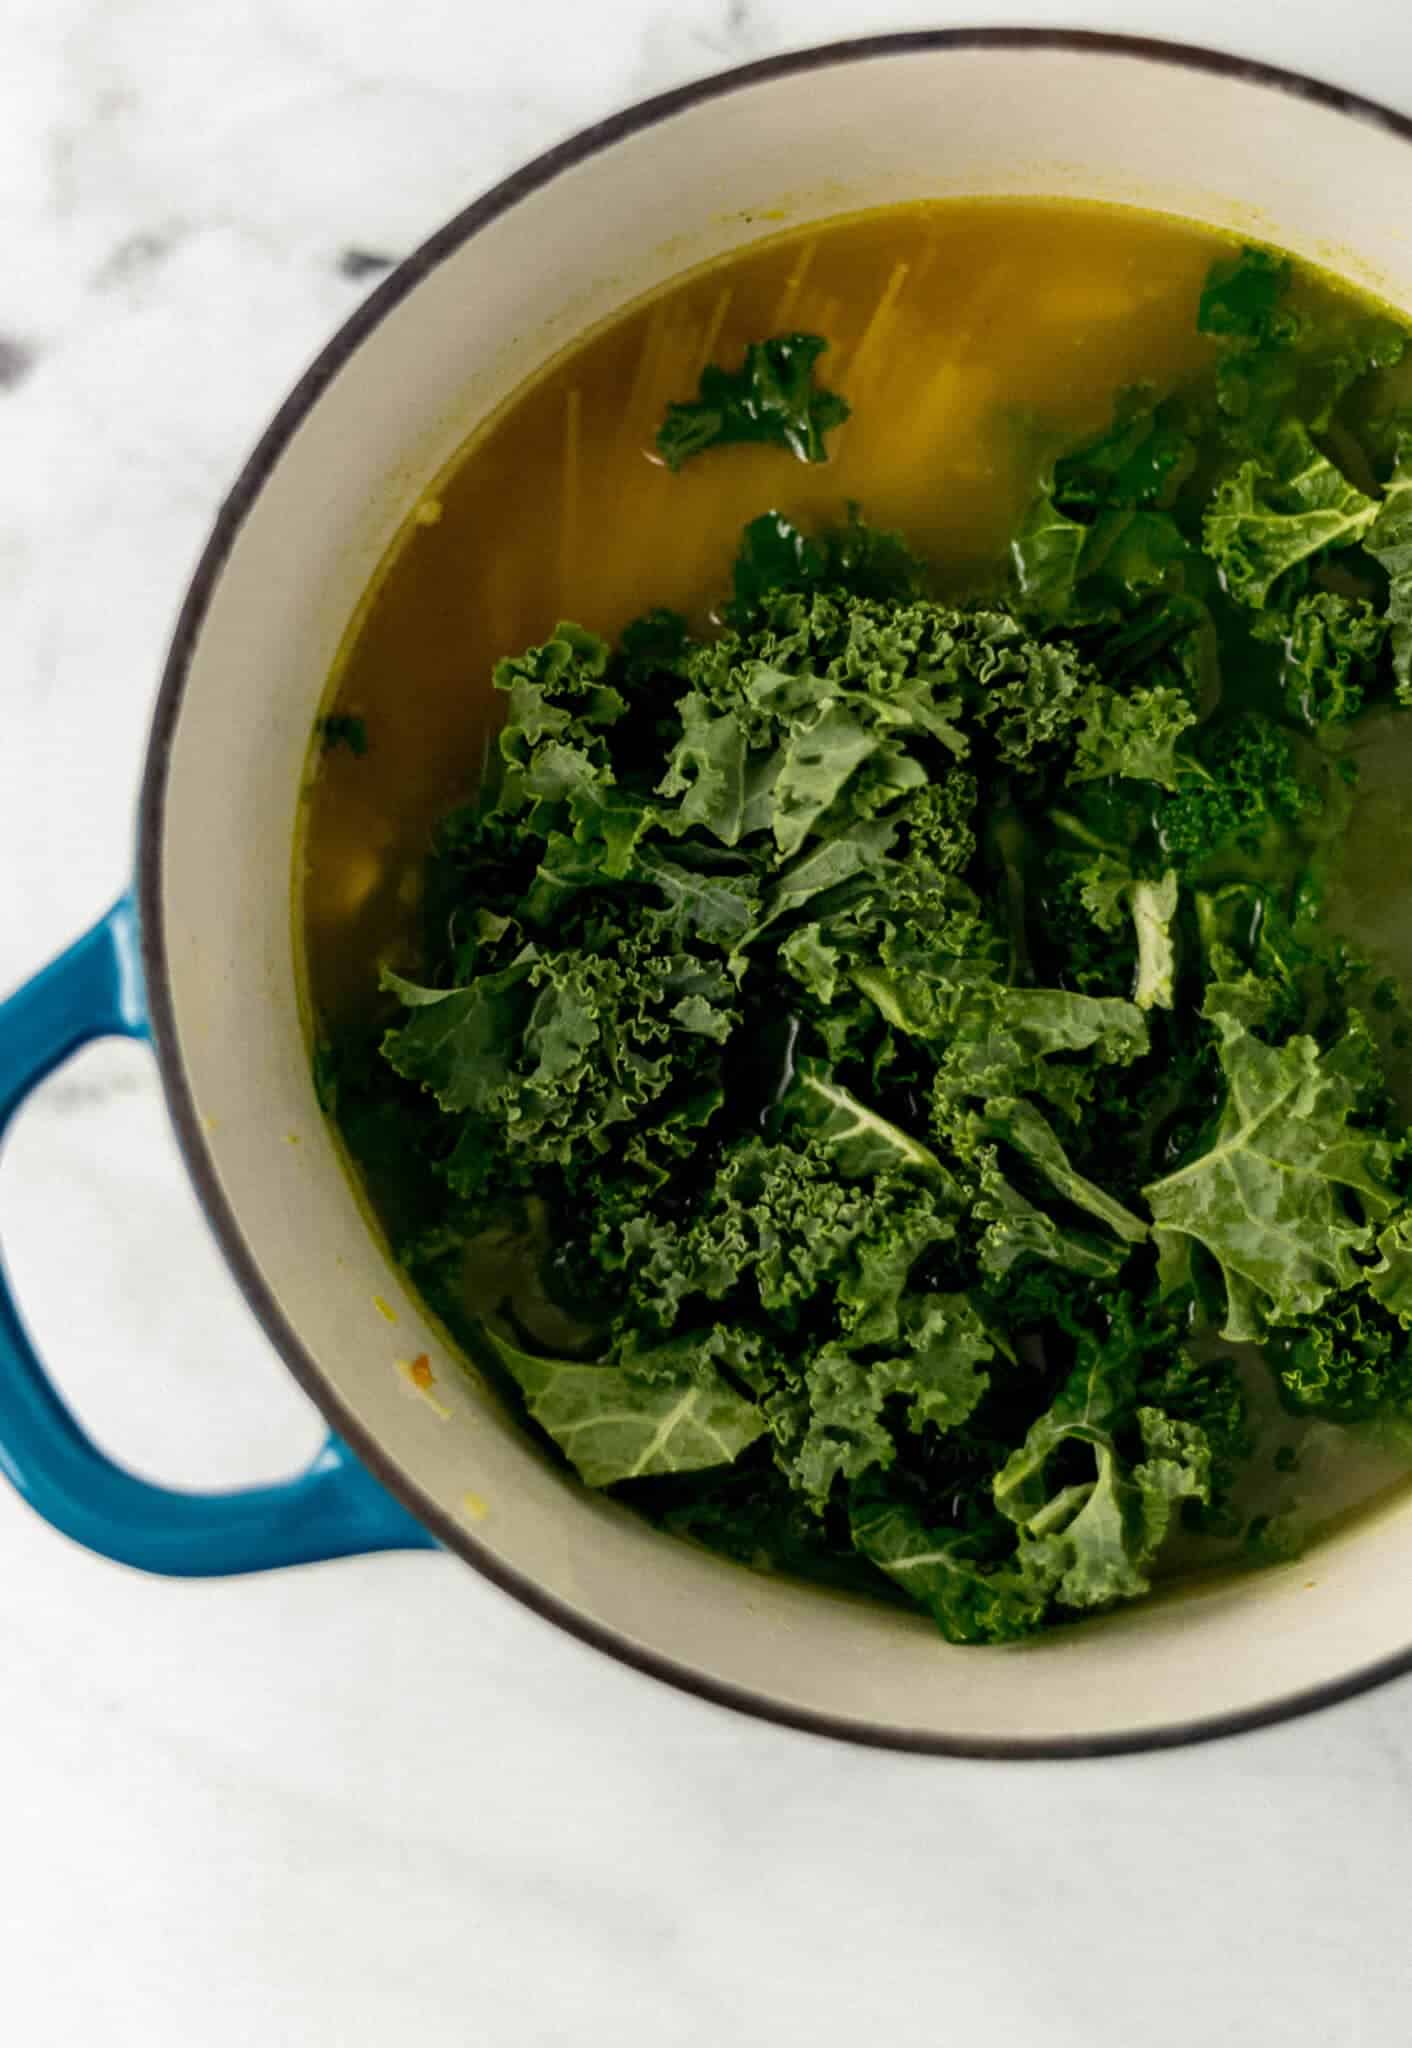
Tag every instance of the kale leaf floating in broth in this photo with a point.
(772, 397)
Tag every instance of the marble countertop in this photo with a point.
(377, 1802)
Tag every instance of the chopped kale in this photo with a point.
(906, 1033)
(772, 397)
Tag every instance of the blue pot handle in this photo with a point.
(333, 1509)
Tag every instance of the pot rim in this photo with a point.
(236, 508)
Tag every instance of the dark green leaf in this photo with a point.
(1135, 736)
(1017, 1123)
(1045, 555)
(1279, 509)
(970, 1601)
(1330, 647)
(1139, 460)
(1267, 1197)
(771, 398)
(936, 1375)
(1243, 296)
(615, 1424)
(859, 1138)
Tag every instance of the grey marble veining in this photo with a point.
(376, 1802)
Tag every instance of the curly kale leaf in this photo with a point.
(1243, 298)
(806, 656)
(860, 1140)
(1113, 895)
(1134, 736)
(455, 1043)
(1351, 1363)
(914, 946)
(1024, 1184)
(855, 559)
(777, 1230)
(1024, 693)
(1241, 791)
(777, 1235)
(1011, 1040)
(839, 1427)
(544, 1059)
(901, 669)
(1117, 584)
(707, 771)
(1090, 576)
(1093, 1486)
(1014, 1230)
(1268, 1196)
(1154, 907)
(1330, 650)
(1277, 361)
(670, 1410)
(820, 758)
(1139, 460)
(1243, 308)
(820, 874)
(1277, 510)
(1007, 1120)
(1046, 557)
(971, 1599)
(1099, 541)
(699, 897)
(1209, 1393)
(772, 398)
(561, 705)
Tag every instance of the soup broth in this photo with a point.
(972, 340)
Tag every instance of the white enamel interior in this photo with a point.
(1091, 123)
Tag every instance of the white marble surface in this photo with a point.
(376, 1802)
